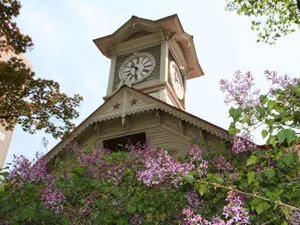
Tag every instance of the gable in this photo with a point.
(127, 103)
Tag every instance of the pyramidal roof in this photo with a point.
(170, 28)
(121, 104)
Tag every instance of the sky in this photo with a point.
(63, 30)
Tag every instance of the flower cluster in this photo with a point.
(234, 210)
(201, 166)
(52, 197)
(280, 81)
(26, 170)
(160, 166)
(99, 168)
(221, 164)
(193, 200)
(89, 202)
(136, 219)
(240, 91)
(242, 144)
(192, 218)
(295, 217)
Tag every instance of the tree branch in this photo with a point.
(252, 195)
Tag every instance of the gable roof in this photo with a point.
(128, 101)
(169, 27)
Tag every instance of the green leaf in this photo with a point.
(269, 173)
(251, 160)
(115, 191)
(66, 221)
(272, 141)
(189, 178)
(235, 113)
(215, 177)
(250, 176)
(130, 209)
(286, 134)
(261, 110)
(233, 130)
(264, 133)
(203, 188)
(287, 160)
(262, 207)
(271, 105)
(28, 212)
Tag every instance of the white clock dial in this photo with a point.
(176, 80)
(137, 67)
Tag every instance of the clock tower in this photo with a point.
(155, 57)
(151, 62)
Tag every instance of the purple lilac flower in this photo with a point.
(240, 91)
(295, 217)
(52, 197)
(193, 200)
(136, 219)
(221, 164)
(201, 166)
(101, 170)
(242, 144)
(234, 210)
(26, 170)
(4, 222)
(159, 167)
(195, 153)
(191, 218)
(280, 81)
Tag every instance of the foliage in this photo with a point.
(103, 187)
(32, 102)
(271, 19)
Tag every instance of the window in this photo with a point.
(117, 144)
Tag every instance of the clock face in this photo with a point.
(137, 67)
(176, 80)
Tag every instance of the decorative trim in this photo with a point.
(133, 102)
(116, 106)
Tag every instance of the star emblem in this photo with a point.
(116, 105)
(133, 101)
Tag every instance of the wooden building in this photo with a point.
(151, 62)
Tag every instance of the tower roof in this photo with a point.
(170, 29)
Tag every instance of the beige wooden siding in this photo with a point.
(161, 137)
(164, 131)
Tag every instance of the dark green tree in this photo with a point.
(33, 103)
(271, 19)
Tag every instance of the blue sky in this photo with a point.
(63, 31)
